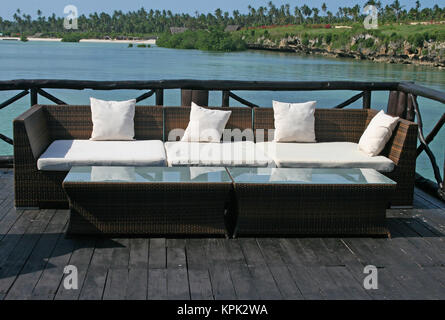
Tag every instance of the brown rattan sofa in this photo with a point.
(39, 126)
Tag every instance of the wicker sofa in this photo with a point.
(41, 125)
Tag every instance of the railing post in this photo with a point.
(225, 98)
(366, 99)
(159, 97)
(34, 97)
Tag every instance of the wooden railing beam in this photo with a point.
(14, 99)
(432, 134)
(366, 99)
(145, 96)
(34, 96)
(159, 97)
(6, 139)
(241, 100)
(225, 98)
(349, 101)
(425, 144)
(50, 97)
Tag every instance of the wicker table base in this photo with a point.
(147, 208)
(311, 209)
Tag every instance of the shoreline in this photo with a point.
(151, 41)
(356, 55)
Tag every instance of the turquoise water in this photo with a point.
(91, 61)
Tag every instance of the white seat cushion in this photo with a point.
(240, 154)
(323, 155)
(61, 155)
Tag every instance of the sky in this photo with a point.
(8, 7)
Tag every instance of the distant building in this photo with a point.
(174, 30)
(1, 34)
(232, 27)
(38, 35)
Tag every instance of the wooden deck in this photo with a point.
(34, 252)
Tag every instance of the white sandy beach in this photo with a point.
(152, 41)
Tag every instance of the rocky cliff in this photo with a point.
(362, 47)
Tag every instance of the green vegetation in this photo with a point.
(143, 45)
(339, 38)
(143, 22)
(71, 37)
(214, 39)
(130, 45)
(23, 38)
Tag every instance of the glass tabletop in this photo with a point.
(148, 174)
(308, 176)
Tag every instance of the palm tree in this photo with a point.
(324, 7)
(417, 9)
(315, 11)
(397, 7)
(298, 15)
(306, 11)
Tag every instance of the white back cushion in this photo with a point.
(112, 120)
(294, 122)
(206, 125)
(377, 134)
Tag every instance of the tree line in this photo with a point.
(145, 22)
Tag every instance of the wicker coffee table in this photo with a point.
(147, 200)
(279, 201)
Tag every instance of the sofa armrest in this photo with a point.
(403, 143)
(31, 132)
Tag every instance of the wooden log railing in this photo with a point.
(402, 97)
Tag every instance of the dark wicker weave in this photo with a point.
(35, 129)
(348, 125)
(304, 209)
(147, 208)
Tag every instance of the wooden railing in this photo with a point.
(402, 99)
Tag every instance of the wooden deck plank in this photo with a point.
(279, 270)
(197, 267)
(409, 274)
(137, 285)
(157, 270)
(177, 278)
(117, 278)
(157, 284)
(309, 288)
(222, 284)
(264, 281)
(14, 234)
(32, 270)
(158, 254)
(138, 270)
(242, 279)
(81, 259)
(426, 197)
(96, 277)
(49, 281)
(19, 256)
